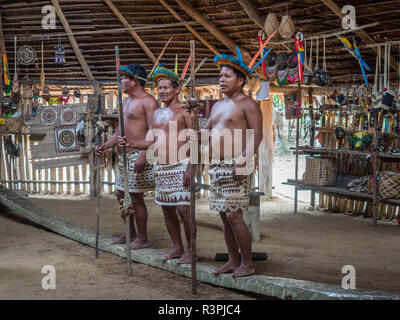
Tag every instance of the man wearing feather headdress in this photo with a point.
(172, 173)
(139, 108)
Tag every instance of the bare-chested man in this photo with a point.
(139, 109)
(172, 174)
(230, 182)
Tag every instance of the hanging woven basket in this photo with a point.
(287, 28)
(271, 24)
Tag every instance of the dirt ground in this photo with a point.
(310, 246)
(25, 249)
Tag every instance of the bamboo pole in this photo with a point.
(193, 172)
(127, 198)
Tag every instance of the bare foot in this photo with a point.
(243, 271)
(139, 244)
(226, 268)
(174, 254)
(120, 240)
(185, 258)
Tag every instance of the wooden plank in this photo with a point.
(46, 179)
(53, 177)
(131, 31)
(61, 162)
(60, 172)
(28, 165)
(190, 28)
(84, 177)
(76, 178)
(361, 33)
(2, 160)
(21, 158)
(68, 179)
(221, 36)
(72, 40)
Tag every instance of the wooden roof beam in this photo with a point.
(131, 31)
(361, 33)
(190, 28)
(227, 41)
(72, 40)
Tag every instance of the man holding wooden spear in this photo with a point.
(172, 173)
(138, 110)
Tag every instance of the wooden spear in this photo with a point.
(127, 198)
(97, 181)
(192, 171)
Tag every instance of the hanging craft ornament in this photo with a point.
(77, 93)
(59, 54)
(292, 68)
(271, 68)
(286, 28)
(26, 55)
(298, 44)
(49, 116)
(283, 71)
(65, 91)
(260, 38)
(308, 70)
(271, 24)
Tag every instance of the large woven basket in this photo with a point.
(320, 172)
(389, 185)
(14, 125)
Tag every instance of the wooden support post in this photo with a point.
(296, 169)
(266, 151)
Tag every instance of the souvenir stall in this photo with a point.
(354, 163)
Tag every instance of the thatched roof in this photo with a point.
(87, 19)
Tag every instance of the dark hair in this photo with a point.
(138, 69)
(238, 73)
(174, 84)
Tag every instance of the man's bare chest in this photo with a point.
(227, 115)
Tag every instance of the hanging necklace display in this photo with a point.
(271, 68)
(307, 70)
(26, 55)
(388, 95)
(320, 76)
(292, 67)
(325, 73)
(282, 69)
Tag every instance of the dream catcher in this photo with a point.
(26, 55)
